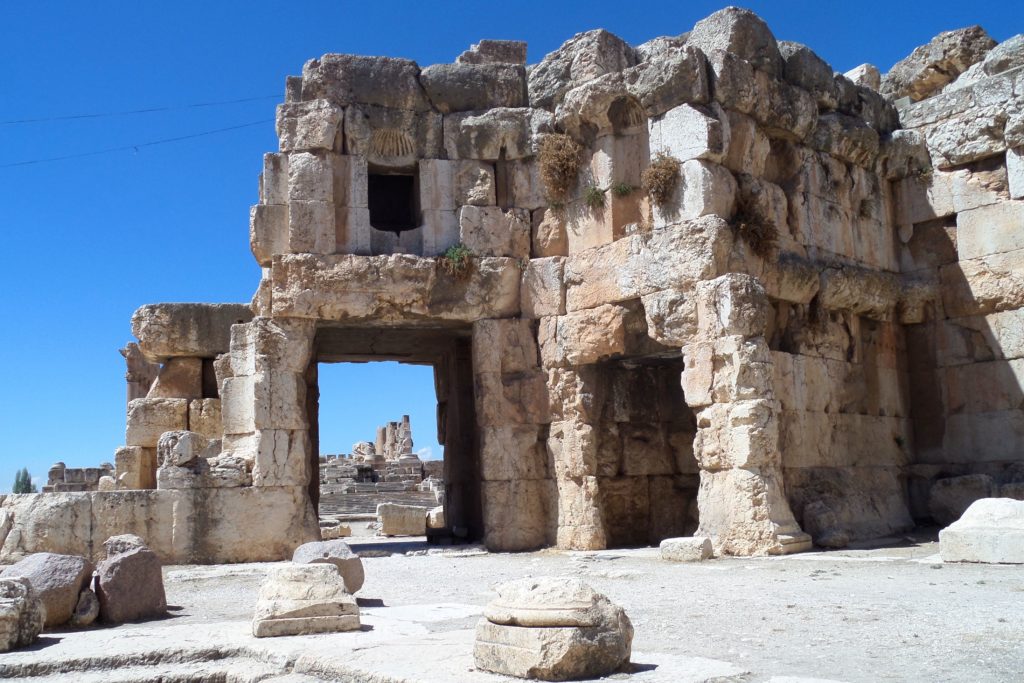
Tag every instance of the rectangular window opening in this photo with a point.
(393, 202)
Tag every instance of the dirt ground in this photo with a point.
(891, 613)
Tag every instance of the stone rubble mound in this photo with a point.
(552, 629)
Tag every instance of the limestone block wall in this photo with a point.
(961, 228)
(812, 318)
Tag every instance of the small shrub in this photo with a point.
(753, 227)
(660, 179)
(559, 158)
(622, 189)
(593, 197)
(456, 261)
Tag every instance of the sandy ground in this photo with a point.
(893, 613)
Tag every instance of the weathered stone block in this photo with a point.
(543, 290)
(512, 453)
(311, 228)
(312, 125)
(949, 498)
(301, 599)
(204, 417)
(517, 514)
(983, 285)
(268, 232)
(990, 530)
(490, 231)
(993, 229)
(198, 330)
(473, 87)
(402, 520)
(704, 189)
(687, 549)
(149, 418)
(583, 337)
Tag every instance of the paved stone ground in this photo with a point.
(894, 613)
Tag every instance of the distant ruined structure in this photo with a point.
(704, 284)
(389, 459)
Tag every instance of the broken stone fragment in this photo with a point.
(742, 33)
(583, 57)
(22, 613)
(301, 599)
(686, 549)
(802, 67)
(552, 629)
(494, 52)
(87, 609)
(335, 553)
(866, 75)
(57, 580)
(929, 67)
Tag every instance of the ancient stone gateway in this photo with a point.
(688, 287)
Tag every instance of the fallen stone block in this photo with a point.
(21, 613)
(552, 629)
(300, 599)
(687, 549)
(402, 520)
(57, 579)
(129, 583)
(337, 554)
(991, 531)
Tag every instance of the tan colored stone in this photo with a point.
(301, 599)
(179, 378)
(583, 337)
(402, 520)
(542, 292)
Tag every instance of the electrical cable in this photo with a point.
(138, 146)
(149, 110)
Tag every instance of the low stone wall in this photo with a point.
(180, 526)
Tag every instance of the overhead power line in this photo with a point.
(138, 146)
(150, 110)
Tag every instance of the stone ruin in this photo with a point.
(389, 459)
(702, 285)
(62, 479)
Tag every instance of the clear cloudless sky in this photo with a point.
(88, 240)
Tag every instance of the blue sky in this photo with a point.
(89, 240)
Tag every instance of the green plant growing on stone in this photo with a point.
(23, 482)
(456, 261)
(621, 189)
(559, 159)
(660, 179)
(593, 197)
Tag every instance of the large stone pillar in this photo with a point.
(512, 418)
(264, 411)
(728, 381)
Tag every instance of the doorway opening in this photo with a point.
(647, 473)
(392, 422)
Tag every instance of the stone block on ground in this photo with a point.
(21, 613)
(129, 583)
(57, 579)
(687, 549)
(301, 599)
(552, 629)
(435, 518)
(402, 520)
(991, 530)
(335, 553)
